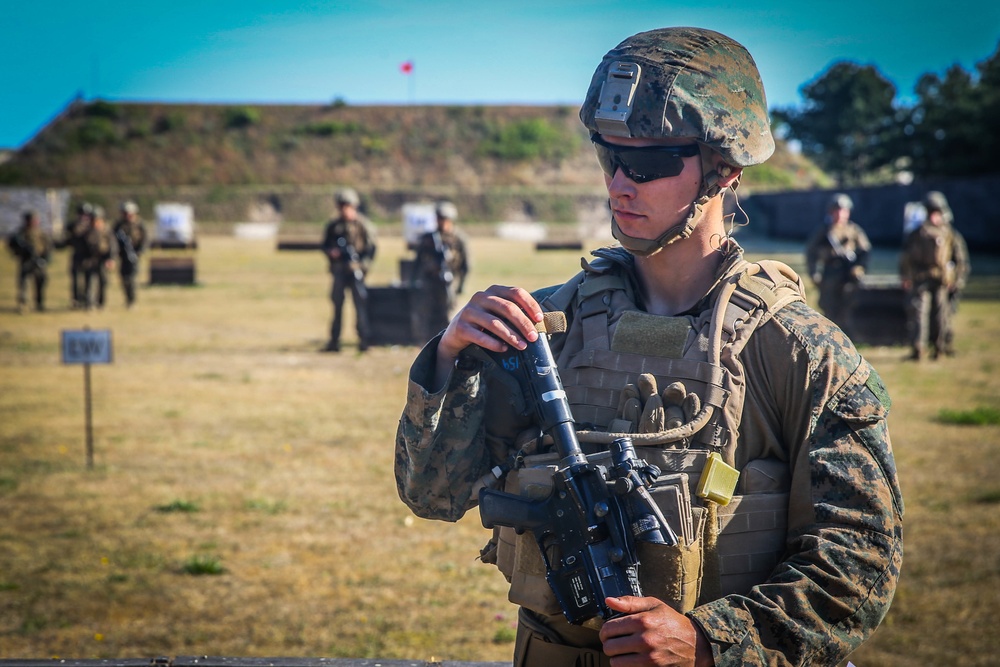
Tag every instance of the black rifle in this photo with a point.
(588, 527)
(354, 263)
(125, 241)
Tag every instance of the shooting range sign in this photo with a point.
(86, 346)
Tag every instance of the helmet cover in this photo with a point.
(687, 83)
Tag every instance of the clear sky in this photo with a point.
(463, 51)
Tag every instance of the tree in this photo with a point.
(848, 124)
(952, 128)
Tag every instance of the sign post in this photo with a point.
(87, 347)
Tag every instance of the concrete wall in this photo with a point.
(879, 210)
(50, 204)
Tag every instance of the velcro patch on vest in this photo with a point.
(652, 335)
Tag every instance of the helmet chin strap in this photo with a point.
(709, 188)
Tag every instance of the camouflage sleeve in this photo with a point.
(844, 544)
(440, 442)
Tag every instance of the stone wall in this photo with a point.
(51, 205)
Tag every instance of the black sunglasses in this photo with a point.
(642, 164)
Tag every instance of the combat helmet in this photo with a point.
(682, 83)
(445, 209)
(840, 200)
(129, 207)
(936, 201)
(348, 196)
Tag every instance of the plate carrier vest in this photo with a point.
(608, 345)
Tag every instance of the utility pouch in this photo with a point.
(673, 573)
(518, 556)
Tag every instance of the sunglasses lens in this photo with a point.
(643, 164)
(650, 166)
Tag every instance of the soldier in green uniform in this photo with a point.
(933, 266)
(440, 267)
(801, 565)
(100, 251)
(32, 246)
(837, 258)
(72, 238)
(349, 245)
(130, 235)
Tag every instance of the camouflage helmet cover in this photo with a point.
(682, 82)
(129, 207)
(347, 196)
(446, 209)
(935, 201)
(840, 200)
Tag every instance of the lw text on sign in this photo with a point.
(86, 347)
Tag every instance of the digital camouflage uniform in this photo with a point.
(439, 274)
(99, 249)
(32, 246)
(812, 402)
(73, 239)
(935, 263)
(812, 416)
(358, 234)
(837, 255)
(131, 237)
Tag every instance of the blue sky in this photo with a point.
(463, 52)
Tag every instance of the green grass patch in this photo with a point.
(181, 506)
(987, 497)
(266, 506)
(202, 565)
(979, 416)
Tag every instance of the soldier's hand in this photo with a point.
(493, 319)
(653, 633)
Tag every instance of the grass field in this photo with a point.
(242, 501)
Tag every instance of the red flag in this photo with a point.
(407, 67)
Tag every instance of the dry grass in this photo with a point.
(223, 440)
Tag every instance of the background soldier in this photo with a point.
(933, 266)
(100, 251)
(73, 238)
(349, 245)
(837, 257)
(440, 266)
(32, 246)
(130, 235)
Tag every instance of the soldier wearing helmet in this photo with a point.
(837, 258)
(100, 253)
(349, 246)
(73, 238)
(795, 564)
(933, 266)
(130, 234)
(32, 247)
(441, 264)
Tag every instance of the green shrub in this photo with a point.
(199, 565)
(239, 117)
(167, 122)
(102, 109)
(184, 506)
(329, 128)
(96, 131)
(528, 140)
